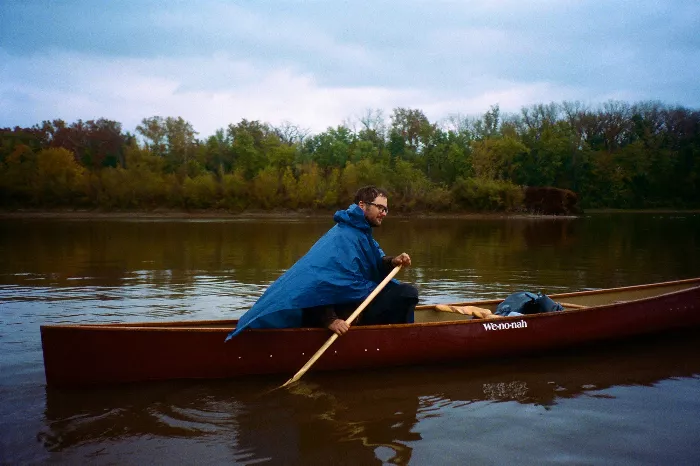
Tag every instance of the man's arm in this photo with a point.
(386, 264)
(389, 262)
(332, 322)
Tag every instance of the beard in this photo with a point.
(374, 223)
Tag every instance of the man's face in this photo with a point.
(375, 211)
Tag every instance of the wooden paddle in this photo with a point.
(349, 321)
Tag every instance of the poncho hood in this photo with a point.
(344, 265)
(353, 216)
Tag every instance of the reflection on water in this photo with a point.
(564, 407)
(359, 418)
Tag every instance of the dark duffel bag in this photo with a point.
(525, 302)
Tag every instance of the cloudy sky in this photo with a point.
(318, 63)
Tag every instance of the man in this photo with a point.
(330, 281)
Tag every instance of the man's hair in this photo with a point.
(369, 194)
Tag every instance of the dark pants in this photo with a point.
(393, 305)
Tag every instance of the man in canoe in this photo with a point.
(331, 280)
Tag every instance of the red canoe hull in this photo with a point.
(116, 353)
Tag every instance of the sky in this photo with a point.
(318, 64)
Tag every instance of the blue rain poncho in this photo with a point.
(345, 265)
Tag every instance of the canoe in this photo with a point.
(89, 354)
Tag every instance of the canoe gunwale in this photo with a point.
(572, 294)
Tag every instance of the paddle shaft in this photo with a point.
(349, 321)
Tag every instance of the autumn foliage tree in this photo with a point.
(616, 155)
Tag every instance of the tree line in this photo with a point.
(617, 155)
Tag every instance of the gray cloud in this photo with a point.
(432, 55)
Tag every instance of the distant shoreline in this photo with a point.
(175, 214)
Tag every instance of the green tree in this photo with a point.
(409, 185)
(329, 196)
(488, 126)
(235, 190)
(290, 189)
(413, 128)
(310, 185)
(17, 174)
(173, 139)
(218, 153)
(58, 178)
(497, 159)
(550, 146)
(154, 132)
(251, 140)
(200, 192)
(330, 148)
(265, 188)
(182, 144)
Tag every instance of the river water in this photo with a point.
(633, 402)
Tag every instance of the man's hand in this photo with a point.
(339, 327)
(402, 259)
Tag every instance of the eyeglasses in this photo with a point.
(382, 208)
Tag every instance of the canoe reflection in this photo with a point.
(355, 417)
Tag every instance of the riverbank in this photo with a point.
(177, 214)
(86, 214)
